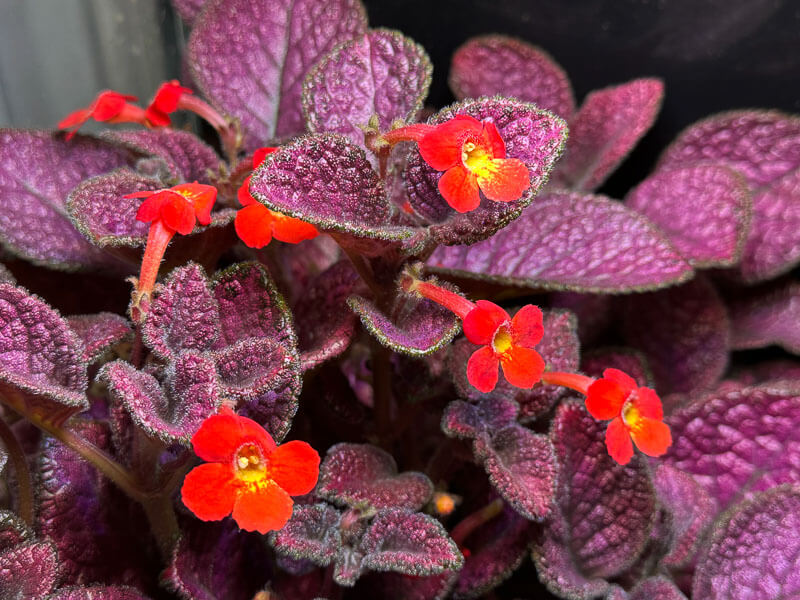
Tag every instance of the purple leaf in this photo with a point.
(559, 349)
(99, 332)
(173, 414)
(625, 359)
(183, 315)
(37, 171)
(98, 592)
(325, 324)
(692, 510)
(326, 180)
(420, 328)
(767, 317)
(353, 474)
(490, 414)
(13, 530)
(493, 65)
(608, 510)
(189, 10)
(521, 467)
(395, 586)
(534, 136)
(217, 561)
(249, 57)
(187, 157)
(593, 312)
(739, 441)
(251, 368)
(495, 551)
(42, 370)
(704, 210)
(6, 276)
(571, 242)
(381, 73)
(652, 588)
(683, 332)
(411, 543)
(753, 552)
(608, 125)
(311, 534)
(29, 570)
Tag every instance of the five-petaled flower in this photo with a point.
(166, 101)
(256, 225)
(506, 342)
(635, 412)
(473, 157)
(109, 106)
(246, 474)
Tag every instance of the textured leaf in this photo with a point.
(327, 180)
(13, 530)
(593, 312)
(189, 10)
(253, 367)
(767, 317)
(704, 210)
(571, 241)
(608, 125)
(174, 413)
(396, 586)
(560, 350)
(217, 561)
(183, 315)
(420, 328)
(753, 552)
(490, 414)
(325, 324)
(739, 441)
(311, 534)
(625, 359)
(99, 332)
(42, 370)
(683, 332)
(765, 147)
(411, 543)
(652, 588)
(98, 592)
(498, 65)
(249, 57)
(29, 570)
(352, 474)
(495, 551)
(37, 171)
(6, 276)
(534, 136)
(381, 73)
(692, 510)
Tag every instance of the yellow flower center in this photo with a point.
(475, 158)
(251, 468)
(502, 341)
(630, 413)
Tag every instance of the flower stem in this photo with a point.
(17, 456)
(573, 381)
(471, 522)
(450, 300)
(228, 133)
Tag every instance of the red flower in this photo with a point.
(165, 101)
(108, 106)
(507, 342)
(247, 474)
(256, 225)
(635, 413)
(178, 207)
(473, 156)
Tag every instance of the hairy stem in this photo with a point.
(17, 457)
(363, 269)
(471, 522)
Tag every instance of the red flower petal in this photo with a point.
(482, 369)
(481, 322)
(262, 509)
(290, 230)
(78, 117)
(618, 441)
(652, 436)
(168, 95)
(156, 118)
(202, 198)
(221, 435)
(209, 491)
(625, 381)
(506, 180)
(526, 326)
(253, 225)
(442, 147)
(649, 404)
(491, 138)
(604, 399)
(522, 367)
(243, 193)
(295, 467)
(177, 214)
(150, 209)
(109, 104)
(459, 187)
(261, 153)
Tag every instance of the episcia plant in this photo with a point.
(307, 271)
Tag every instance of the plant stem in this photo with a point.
(163, 523)
(17, 456)
(450, 300)
(382, 388)
(573, 381)
(471, 522)
(363, 269)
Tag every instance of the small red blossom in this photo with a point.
(256, 225)
(473, 157)
(178, 207)
(109, 106)
(247, 474)
(635, 412)
(166, 101)
(507, 342)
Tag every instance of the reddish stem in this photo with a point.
(471, 522)
(450, 300)
(573, 381)
(227, 131)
